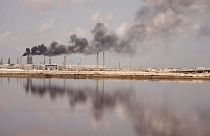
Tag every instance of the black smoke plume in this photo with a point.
(103, 40)
(79, 44)
(166, 20)
(156, 20)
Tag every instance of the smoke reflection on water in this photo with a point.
(149, 117)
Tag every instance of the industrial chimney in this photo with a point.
(29, 59)
(64, 61)
(9, 61)
(20, 60)
(17, 60)
(44, 61)
(1, 61)
(97, 59)
(50, 61)
(103, 59)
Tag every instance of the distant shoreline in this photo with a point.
(123, 75)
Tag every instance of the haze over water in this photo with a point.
(67, 107)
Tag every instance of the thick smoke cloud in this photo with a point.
(156, 20)
(79, 44)
(103, 40)
(166, 19)
(53, 50)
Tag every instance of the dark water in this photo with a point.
(56, 107)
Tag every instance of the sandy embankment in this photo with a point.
(137, 75)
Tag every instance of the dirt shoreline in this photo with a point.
(122, 75)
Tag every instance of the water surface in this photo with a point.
(61, 107)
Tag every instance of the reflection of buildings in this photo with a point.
(79, 95)
(148, 118)
(53, 91)
(7, 80)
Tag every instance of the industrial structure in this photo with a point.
(69, 67)
(49, 66)
(29, 59)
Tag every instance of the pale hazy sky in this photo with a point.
(26, 23)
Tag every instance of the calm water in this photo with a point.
(58, 107)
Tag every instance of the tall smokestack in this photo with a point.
(20, 60)
(17, 60)
(97, 59)
(9, 61)
(1, 61)
(29, 59)
(64, 60)
(103, 59)
(44, 60)
(50, 61)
